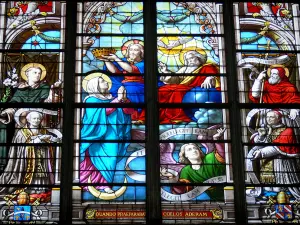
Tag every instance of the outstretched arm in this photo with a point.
(220, 148)
(114, 58)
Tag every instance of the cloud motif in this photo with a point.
(208, 117)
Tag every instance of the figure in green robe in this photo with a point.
(202, 167)
(34, 89)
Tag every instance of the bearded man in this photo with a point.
(201, 76)
(277, 89)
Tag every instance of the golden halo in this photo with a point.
(199, 50)
(133, 41)
(30, 65)
(93, 75)
(287, 72)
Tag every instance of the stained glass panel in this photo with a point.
(271, 151)
(19, 83)
(32, 46)
(190, 123)
(195, 153)
(189, 18)
(32, 163)
(175, 54)
(111, 18)
(277, 74)
(264, 25)
(32, 25)
(109, 150)
(266, 74)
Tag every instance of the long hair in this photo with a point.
(202, 57)
(183, 159)
(141, 47)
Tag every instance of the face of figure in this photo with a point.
(192, 60)
(191, 152)
(103, 85)
(274, 77)
(34, 75)
(272, 118)
(34, 119)
(134, 53)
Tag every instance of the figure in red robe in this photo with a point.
(277, 89)
(278, 160)
(176, 87)
(130, 66)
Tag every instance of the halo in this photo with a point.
(127, 43)
(287, 72)
(93, 75)
(30, 65)
(199, 50)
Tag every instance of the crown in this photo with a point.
(98, 52)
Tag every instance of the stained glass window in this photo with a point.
(109, 157)
(149, 112)
(32, 35)
(267, 38)
(195, 155)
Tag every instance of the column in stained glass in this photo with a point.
(109, 145)
(195, 158)
(267, 39)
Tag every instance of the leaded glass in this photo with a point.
(111, 18)
(110, 132)
(32, 36)
(271, 149)
(194, 141)
(189, 18)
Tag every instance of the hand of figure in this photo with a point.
(164, 172)
(162, 67)
(122, 93)
(109, 190)
(261, 131)
(209, 82)
(219, 133)
(202, 135)
(56, 139)
(256, 154)
(262, 75)
(57, 84)
(110, 57)
(36, 139)
(293, 114)
(45, 137)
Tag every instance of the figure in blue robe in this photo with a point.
(98, 160)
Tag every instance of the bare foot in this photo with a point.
(108, 190)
